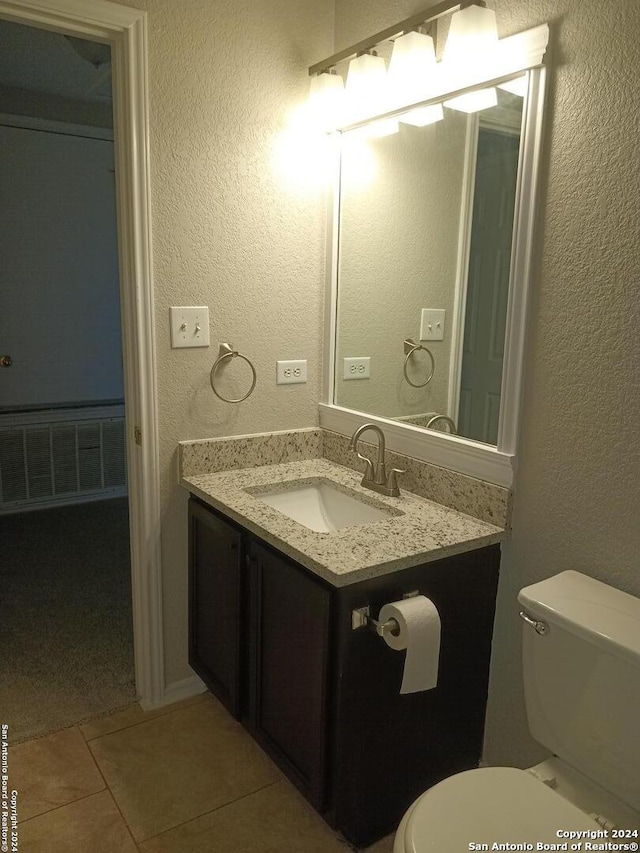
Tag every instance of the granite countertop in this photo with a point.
(424, 531)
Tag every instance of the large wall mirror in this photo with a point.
(431, 254)
(425, 232)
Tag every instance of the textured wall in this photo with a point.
(398, 254)
(229, 231)
(577, 499)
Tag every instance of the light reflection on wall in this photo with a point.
(302, 157)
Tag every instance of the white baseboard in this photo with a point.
(176, 692)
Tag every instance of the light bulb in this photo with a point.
(422, 116)
(518, 86)
(473, 102)
(411, 69)
(326, 101)
(366, 87)
(472, 31)
(471, 45)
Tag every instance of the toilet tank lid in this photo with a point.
(588, 608)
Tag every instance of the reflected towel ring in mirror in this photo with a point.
(410, 346)
(227, 351)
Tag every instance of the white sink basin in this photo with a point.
(322, 505)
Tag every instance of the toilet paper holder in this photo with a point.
(361, 618)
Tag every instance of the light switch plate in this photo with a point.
(356, 368)
(189, 326)
(432, 324)
(291, 372)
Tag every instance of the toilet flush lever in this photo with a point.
(541, 627)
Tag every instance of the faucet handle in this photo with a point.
(368, 465)
(392, 479)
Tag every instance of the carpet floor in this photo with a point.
(66, 636)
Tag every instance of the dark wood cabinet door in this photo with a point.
(391, 747)
(290, 658)
(215, 604)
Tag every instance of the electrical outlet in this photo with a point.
(356, 368)
(189, 326)
(432, 324)
(290, 372)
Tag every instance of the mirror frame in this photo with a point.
(495, 464)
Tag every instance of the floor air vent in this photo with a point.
(76, 455)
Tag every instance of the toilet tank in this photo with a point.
(582, 678)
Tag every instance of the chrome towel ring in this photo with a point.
(227, 351)
(410, 346)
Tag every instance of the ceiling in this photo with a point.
(47, 63)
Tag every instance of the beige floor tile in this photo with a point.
(52, 771)
(171, 769)
(92, 825)
(130, 717)
(274, 820)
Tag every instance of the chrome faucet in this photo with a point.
(376, 477)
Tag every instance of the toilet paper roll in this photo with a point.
(419, 623)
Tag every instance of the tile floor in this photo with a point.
(185, 779)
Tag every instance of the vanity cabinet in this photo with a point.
(323, 699)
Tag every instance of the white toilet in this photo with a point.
(581, 661)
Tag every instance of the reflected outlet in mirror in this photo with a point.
(322, 505)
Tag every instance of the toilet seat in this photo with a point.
(491, 804)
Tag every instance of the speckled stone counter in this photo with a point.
(424, 532)
(465, 494)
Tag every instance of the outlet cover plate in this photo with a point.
(356, 368)
(189, 326)
(432, 324)
(291, 372)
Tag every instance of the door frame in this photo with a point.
(125, 29)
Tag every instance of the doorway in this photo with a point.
(66, 575)
(124, 29)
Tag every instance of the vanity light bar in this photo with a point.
(518, 53)
(438, 11)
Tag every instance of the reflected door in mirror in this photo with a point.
(488, 284)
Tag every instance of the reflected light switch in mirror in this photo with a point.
(432, 324)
